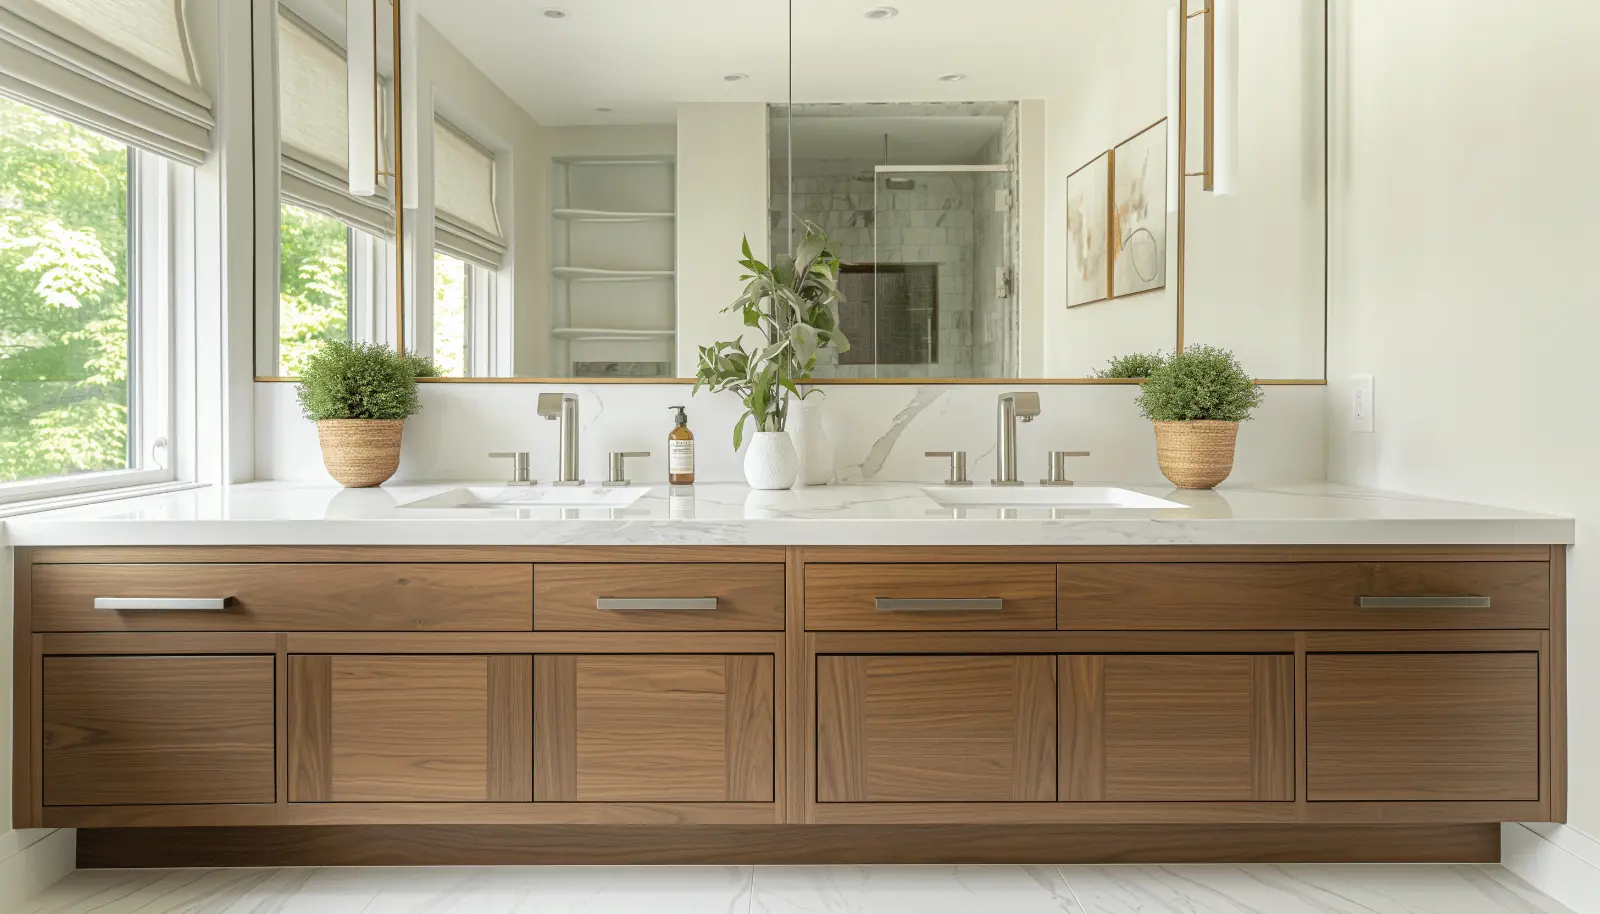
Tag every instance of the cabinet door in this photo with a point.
(1445, 726)
(911, 728)
(1172, 728)
(653, 728)
(157, 730)
(414, 728)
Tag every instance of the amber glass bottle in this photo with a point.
(680, 451)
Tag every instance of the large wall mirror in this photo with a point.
(1004, 181)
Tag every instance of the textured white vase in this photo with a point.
(770, 462)
(811, 440)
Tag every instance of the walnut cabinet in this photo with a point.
(737, 686)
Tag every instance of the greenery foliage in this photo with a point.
(1132, 365)
(1202, 382)
(794, 304)
(63, 297)
(313, 285)
(345, 380)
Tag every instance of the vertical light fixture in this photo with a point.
(1223, 137)
(1174, 99)
(361, 83)
(409, 124)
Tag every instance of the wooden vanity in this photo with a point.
(1365, 702)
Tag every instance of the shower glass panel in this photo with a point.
(920, 200)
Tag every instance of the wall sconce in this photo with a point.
(1221, 171)
(364, 85)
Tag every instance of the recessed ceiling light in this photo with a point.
(736, 77)
(554, 12)
(881, 12)
(952, 77)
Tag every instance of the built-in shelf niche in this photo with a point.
(613, 255)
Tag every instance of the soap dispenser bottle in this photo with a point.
(680, 451)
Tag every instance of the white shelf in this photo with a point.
(609, 333)
(595, 215)
(589, 274)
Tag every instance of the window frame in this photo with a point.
(160, 211)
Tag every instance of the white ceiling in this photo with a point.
(643, 57)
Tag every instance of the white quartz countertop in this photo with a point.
(885, 514)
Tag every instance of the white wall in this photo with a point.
(1464, 201)
(722, 198)
(879, 432)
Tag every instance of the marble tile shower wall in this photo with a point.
(932, 223)
(997, 232)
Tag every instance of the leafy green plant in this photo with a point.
(1132, 365)
(361, 381)
(795, 305)
(1201, 382)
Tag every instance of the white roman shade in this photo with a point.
(313, 113)
(465, 221)
(121, 67)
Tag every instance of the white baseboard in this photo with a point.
(36, 866)
(1558, 861)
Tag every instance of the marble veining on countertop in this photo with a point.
(301, 513)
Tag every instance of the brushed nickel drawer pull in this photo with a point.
(1424, 602)
(165, 604)
(936, 605)
(662, 604)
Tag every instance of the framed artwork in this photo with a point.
(1139, 212)
(1089, 232)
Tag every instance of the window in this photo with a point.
(451, 278)
(313, 284)
(85, 355)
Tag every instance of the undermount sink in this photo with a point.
(533, 497)
(1045, 497)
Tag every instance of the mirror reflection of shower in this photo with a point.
(920, 198)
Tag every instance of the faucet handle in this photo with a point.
(618, 461)
(519, 471)
(958, 466)
(1058, 468)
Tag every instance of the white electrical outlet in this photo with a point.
(1361, 403)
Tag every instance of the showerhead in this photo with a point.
(900, 183)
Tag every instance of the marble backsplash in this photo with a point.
(879, 432)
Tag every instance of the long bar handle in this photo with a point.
(937, 604)
(1423, 602)
(660, 604)
(165, 604)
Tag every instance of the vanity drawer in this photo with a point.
(1304, 595)
(283, 597)
(683, 596)
(917, 597)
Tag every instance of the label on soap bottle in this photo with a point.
(680, 457)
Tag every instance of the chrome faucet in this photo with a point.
(1012, 406)
(565, 408)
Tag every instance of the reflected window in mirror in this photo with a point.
(335, 249)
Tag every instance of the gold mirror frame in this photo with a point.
(1182, 217)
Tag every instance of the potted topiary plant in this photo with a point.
(360, 394)
(1196, 400)
(795, 306)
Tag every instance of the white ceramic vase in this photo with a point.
(770, 461)
(811, 440)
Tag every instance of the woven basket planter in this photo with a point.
(360, 453)
(1196, 454)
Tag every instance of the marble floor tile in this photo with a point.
(911, 890)
(1303, 890)
(569, 890)
(802, 890)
